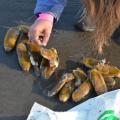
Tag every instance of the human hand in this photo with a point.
(40, 31)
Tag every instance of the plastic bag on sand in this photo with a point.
(103, 107)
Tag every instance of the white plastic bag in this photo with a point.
(103, 107)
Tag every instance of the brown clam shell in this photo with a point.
(23, 57)
(82, 91)
(108, 70)
(49, 63)
(11, 38)
(67, 77)
(110, 82)
(79, 75)
(90, 62)
(66, 91)
(98, 81)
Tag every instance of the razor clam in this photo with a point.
(64, 79)
(80, 76)
(35, 48)
(35, 57)
(11, 38)
(49, 62)
(98, 81)
(51, 55)
(23, 57)
(108, 70)
(82, 91)
(90, 62)
(46, 70)
(110, 82)
(66, 91)
(23, 28)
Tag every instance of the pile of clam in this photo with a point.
(44, 61)
(77, 85)
(100, 76)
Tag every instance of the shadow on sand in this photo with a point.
(24, 117)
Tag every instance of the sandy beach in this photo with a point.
(17, 90)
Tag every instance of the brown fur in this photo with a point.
(106, 15)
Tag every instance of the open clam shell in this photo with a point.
(82, 91)
(79, 75)
(34, 47)
(110, 82)
(11, 38)
(46, 69)
(66, 91)
(23, 28)
(90, 62)
(23, 57)
(49, 62)
(49, 54)
(67, 77)
(35, 56)
(98, 81)
(108, 70)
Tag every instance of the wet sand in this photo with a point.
(17, 90)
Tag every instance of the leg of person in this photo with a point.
(107, 20)
(83, 20)
(103, 16)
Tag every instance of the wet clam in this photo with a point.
(90, 62)
(23, 33)
(23, 28)
(98, 81)
(11, 38)
(40, 57)
(49, 62)
(110, 82)
(34, 47)
(82, 91)
(35, 56)
(23, 37)
(23, 57)
(46, 69)
(48, 53)
(66, 91)
(80, 76)
(108, 70)
(67, 77)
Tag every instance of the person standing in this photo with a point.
(100, 16)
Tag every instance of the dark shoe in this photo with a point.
(83, 21)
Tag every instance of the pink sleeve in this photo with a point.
(46, 16)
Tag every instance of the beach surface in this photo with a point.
(18, 91)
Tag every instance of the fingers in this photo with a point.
(39, 37)
(40, 32)
(46, 37)
(34, 36)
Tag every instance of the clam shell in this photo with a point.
(108, 70)
(98, 81)
(50, 54)
(23, 57)
(82, 91)
(49, 63)
(11, 38)
(90, 62)
(23, 28)
(35, 56)
(66, 91)
(110, 82)
(46, 69)
(79, 75)
(67, 77)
